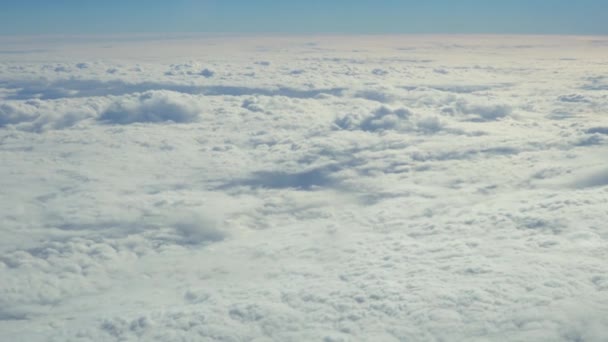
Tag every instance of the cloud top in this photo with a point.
(152, 107)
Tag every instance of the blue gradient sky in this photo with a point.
(299, 16)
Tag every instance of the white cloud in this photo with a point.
(432, 188)
(382, 118)
(11, 114)
(154, 107)
(480, 111)
(195, 229)
(36, 116)
(597, 177)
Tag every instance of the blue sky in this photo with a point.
(311, 16)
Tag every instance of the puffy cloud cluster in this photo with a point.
(325, 189)
(189, 69)
(479, 111)
(382, 118)
(153, 107)
(149, 107)
(35, 115)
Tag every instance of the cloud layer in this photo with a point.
(312, 188)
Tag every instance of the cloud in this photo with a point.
(38, 116)
(430, 124)
(189, 69)
(597, 130)
(196, 229)
(466, 89)
(252, 104)
(379, 72)
(11, 114)
(596, 83)
(376, 95)
(152, 107)
(597, 178)
(207, 73)
(307, 180)
(81, 88)
(572, 98)
(155, 203)
(383, 118)
(478, 111)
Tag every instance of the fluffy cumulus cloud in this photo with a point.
(326, 189)
(152, 106)
(481, 111)
(380, 119)
(36, 116)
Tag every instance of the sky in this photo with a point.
(35, 17)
